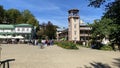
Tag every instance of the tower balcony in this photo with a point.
(76, 16)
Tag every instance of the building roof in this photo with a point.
(71, 10)
(1, 33)
(6, 26)
(23, 25)
(10, 26)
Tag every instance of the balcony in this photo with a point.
(85, 28)
(85, 35)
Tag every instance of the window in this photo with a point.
(75, 38)
(27, 29)
(23, 29)
(74, 20)
(18, 29)
(75, 32)
(75, 26)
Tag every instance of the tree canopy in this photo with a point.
(111, 12)
(2, 14)
(102, 28)
(14, 16)
(47, 30)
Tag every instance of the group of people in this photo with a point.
(43, 43)
(46, 43)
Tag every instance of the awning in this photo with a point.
(18, 37)
(2, 37)
(9, 37)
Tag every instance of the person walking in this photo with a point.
(41, 44)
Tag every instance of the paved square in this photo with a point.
(28, 56)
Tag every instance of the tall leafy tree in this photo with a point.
(51, 30)
(20, 19)
(29, 18)
(102, 28)
(2, 12)
(47, 30)
(33, 21)
(26, 14)
(112, 12)
(12, 15)
(41, 33)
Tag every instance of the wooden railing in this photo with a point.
(6, 63)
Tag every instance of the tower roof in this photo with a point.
(73, 10)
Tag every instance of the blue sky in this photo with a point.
(55, 11)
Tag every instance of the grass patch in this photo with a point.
(67, 45)
(106, 48)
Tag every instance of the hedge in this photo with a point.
(66, 45)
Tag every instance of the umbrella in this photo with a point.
(2, 37)
(9, 36)
(19, 37)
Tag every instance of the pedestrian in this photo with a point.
(119, 48)
(40, 45)
(52, 42)
(46, 42)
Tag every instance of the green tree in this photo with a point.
(26, 14)
(102, 28)
(112, 12)
(20, 19)
(29, 18)
(2, 12)
(12, 15)
(47, 30)
(33, 21)
(41, 31)
(51, 30)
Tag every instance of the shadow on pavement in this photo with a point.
(117, 62)
(100, 65)
(97, 65)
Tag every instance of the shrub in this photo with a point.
(66, 45)
(106, 48)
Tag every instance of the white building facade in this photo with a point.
(24, 30)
